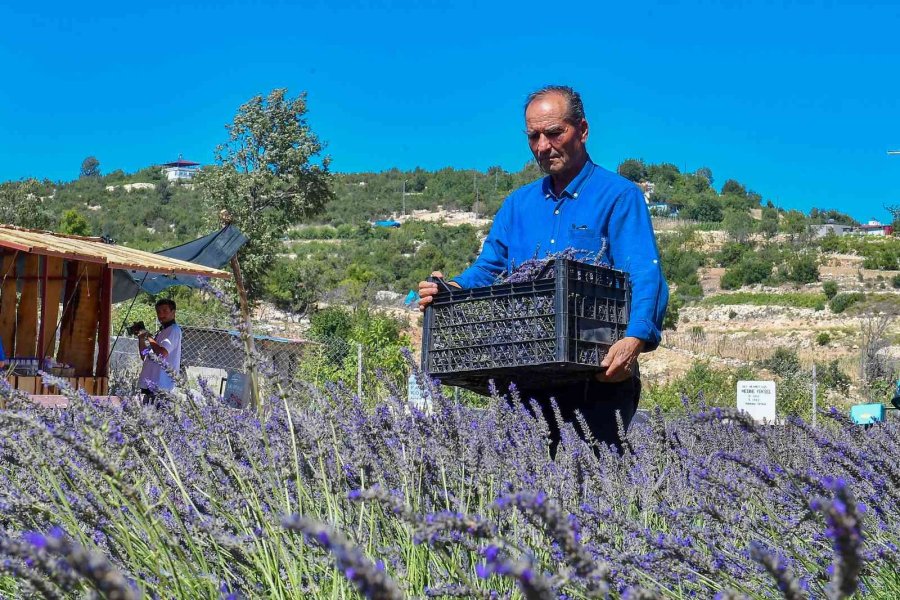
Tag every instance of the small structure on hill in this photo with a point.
(180, 170)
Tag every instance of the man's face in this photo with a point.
(557, 145)
(164, 313)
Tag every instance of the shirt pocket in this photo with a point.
(584, 237)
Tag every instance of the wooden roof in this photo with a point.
(94, 250)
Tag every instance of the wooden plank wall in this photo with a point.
(78, 334)
(50, 296)
(8, 302)
(26, 321)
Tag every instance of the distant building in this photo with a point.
(831, 228)
(180, 170)
(875, 228)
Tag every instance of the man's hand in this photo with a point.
(620, 360)
(427, 289)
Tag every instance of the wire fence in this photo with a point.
(218, 357)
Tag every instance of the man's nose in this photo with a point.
(543, 144)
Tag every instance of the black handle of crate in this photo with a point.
(442, 285)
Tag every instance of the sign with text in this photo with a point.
(416, 395)
(757, 398)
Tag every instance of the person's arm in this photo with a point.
(492, 260)
(633, 249)
(167, 344)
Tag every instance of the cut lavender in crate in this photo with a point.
(552, 321)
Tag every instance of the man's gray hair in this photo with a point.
(575, 114)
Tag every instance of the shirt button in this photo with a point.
(575, 195)
(555, 212)
(552, 241)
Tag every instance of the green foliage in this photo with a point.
(680, 260)
(802, 268)
(752, 268)
(784, 362)
(769, 223)
(733, 187)
(823, 338)
(21, 205)
(895, 281)
(795, 224)
(738, 224)
(732, 252)
(878, 252)
(704, 206)
(670, 321)
(824, 216)
(74, 223)
(293, 285)
(90, 167)
(832, 377)
(842, 301)
(715, 387)
(830, 289)
(267, 178)
(633, 169)
(795, 299)
(340, 331)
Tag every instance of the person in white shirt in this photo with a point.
(166, 345)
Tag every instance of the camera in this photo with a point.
(137, 328)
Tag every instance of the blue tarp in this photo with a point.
(214, 250)
(388, 223)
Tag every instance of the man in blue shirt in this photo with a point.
(583, 206)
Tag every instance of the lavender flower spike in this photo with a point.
(843, 518)
(372, 581)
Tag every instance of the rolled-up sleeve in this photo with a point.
(633, 249)
(494, 256)
(171, 340)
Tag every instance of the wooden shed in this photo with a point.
(55, 302)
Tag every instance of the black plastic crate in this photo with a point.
(537, 334)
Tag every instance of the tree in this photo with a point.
(90, 167)
(768, 226)
(795, 224)
(663, 174)
(21, 205)
(704, 207)
(738, 224)
(74, 223)
(705, 173)
(732, 186)
(894, 209)
(269, 176)
(633, 169)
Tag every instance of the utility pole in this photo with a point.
(403, 196)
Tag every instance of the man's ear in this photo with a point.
(584, 130)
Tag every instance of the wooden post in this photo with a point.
(105, 318)
(249, 346)
(26, 320)
(8, 302)
(51, 289)
(78, 335)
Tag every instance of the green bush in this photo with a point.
(832, 377)
(895, 280)
(732, 252)
(823, 339)
(802, 268)
(783, 363)
(842, 301)
(830, 289)
(751, 269)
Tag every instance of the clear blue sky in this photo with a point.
(799, 101)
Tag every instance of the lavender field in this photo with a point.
(326, 498)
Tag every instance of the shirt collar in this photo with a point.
(574, 188)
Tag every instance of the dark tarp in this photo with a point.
(214, 250)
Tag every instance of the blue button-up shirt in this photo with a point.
(597, 205)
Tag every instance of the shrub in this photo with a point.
(784, 362)
(802, 268)
(842, 301)
(832, 377)
(823, 339)
(830, 289)
(895, 280)
(731, 253)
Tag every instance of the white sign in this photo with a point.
(416, 395)
(757, 398)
